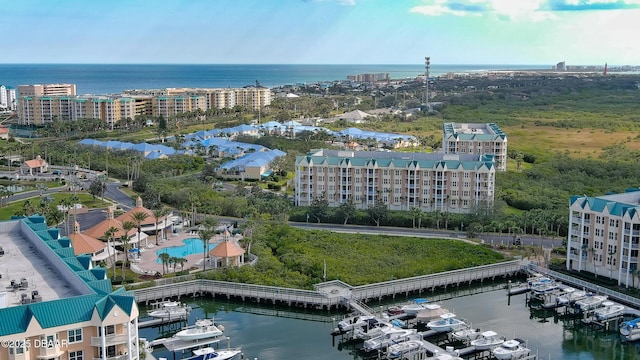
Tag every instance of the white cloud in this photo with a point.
(532, 10)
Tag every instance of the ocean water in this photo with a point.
(103, 79)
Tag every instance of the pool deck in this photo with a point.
(147, 262)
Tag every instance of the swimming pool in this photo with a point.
(191, 246)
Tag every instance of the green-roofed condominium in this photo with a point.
(604, 235)
(429, 181)
(458, 138)
(55, 304)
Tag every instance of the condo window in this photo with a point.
(74, 335)
(76, 355)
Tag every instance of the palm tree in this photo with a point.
(416, 213)
(138, 218)
(127, 226)
(108, 236)
(164, 258)
(205, 234)
(180, 261)
(158, 214)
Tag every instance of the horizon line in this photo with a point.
(310, 64)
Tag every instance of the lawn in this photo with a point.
(85, 199)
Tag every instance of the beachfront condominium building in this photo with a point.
(43, 110)
(37, 108)
(459, 138)
(47, 90)
(7, 98)
(57, 305)
(429, 181)
(251, 97)
(604, 235)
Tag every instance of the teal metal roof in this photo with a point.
(399, 161)
(597, 204)
(70, 310)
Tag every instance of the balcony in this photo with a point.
(119, 357)
(109, 340)
(625, 245)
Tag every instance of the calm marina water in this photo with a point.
(277, 333)
(110, 79)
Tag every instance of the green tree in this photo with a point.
(347, 210)
(109, 237)
(164, 258)
(158, 214)
(416, 213)
(138, 218)
(205, 234)
(97, 187)
(378, 212)
(127, 226)
(319, 208)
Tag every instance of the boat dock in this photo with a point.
(175, 344)
(161, 321)
(327, 295)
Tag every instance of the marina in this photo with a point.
(435, 343)
(301, 331)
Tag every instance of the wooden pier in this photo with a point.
(162, 321)
(328, 295)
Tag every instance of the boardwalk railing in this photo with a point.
(581, 284)
(173, 289)
(432, 281)
(189, 285)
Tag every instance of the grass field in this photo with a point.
(580, 143)
(85, 199)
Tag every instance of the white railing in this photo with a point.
(109, 340)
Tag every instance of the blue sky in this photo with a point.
(321, 31)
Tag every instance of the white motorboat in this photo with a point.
(537, 279)
(609, 310)
(170, 310)
(355, 322)
(447, 322)
(487, 340)
(570, 296)
(209, 353)
(385, 340)
(511, 349)
(404, 348)
(203, 329)
(415, 306)
(630, 330)
(375, 329)
(590, 302)
(545, 286)
(430, 312)
(467, 334)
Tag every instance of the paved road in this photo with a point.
(114, 194)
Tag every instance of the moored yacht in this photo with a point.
(590, 302)
(383, 341)
(405, 348)
(209, 353)
(170, 310)
(203, 329)
(511, 349)
(487, 340)
(415, 306)
(430, 312)
(609, 310)
(447, 322)
(630, 330)
(570, 296)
